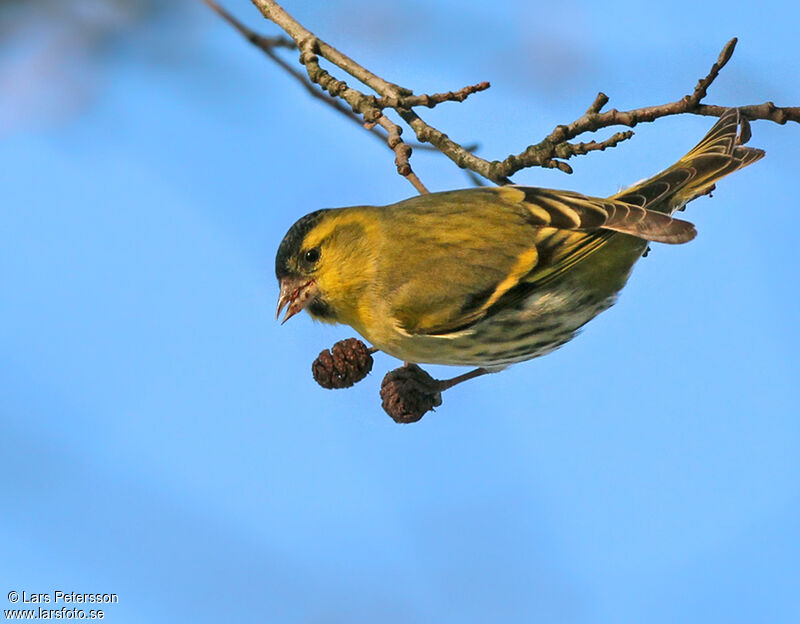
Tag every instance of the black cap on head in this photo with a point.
(290, 245)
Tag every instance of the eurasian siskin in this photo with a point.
(490, 276)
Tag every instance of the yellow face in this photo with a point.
(325, 263)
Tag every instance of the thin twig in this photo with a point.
(268, 44)
(432, 100)
(543, 153)
(402, 153)
(308, 42)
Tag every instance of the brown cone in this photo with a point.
(345, 364)
(408, 393)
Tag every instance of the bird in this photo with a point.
(492, 276)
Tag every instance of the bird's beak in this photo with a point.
(296, 292)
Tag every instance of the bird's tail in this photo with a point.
(719, 153)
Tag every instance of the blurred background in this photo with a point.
(162, 437)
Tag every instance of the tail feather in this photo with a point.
(645, 209)
(719, 153)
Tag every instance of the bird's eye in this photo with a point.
(312, 255)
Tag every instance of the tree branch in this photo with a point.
(367, 107)
(268, 46)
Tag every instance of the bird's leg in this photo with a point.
(408, 392)
(446, 384)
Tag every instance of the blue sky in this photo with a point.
(162, 437)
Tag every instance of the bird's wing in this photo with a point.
(563, 228)
(573, 211)
(483, 245)
(438, 306)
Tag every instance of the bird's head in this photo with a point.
(322, 265)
